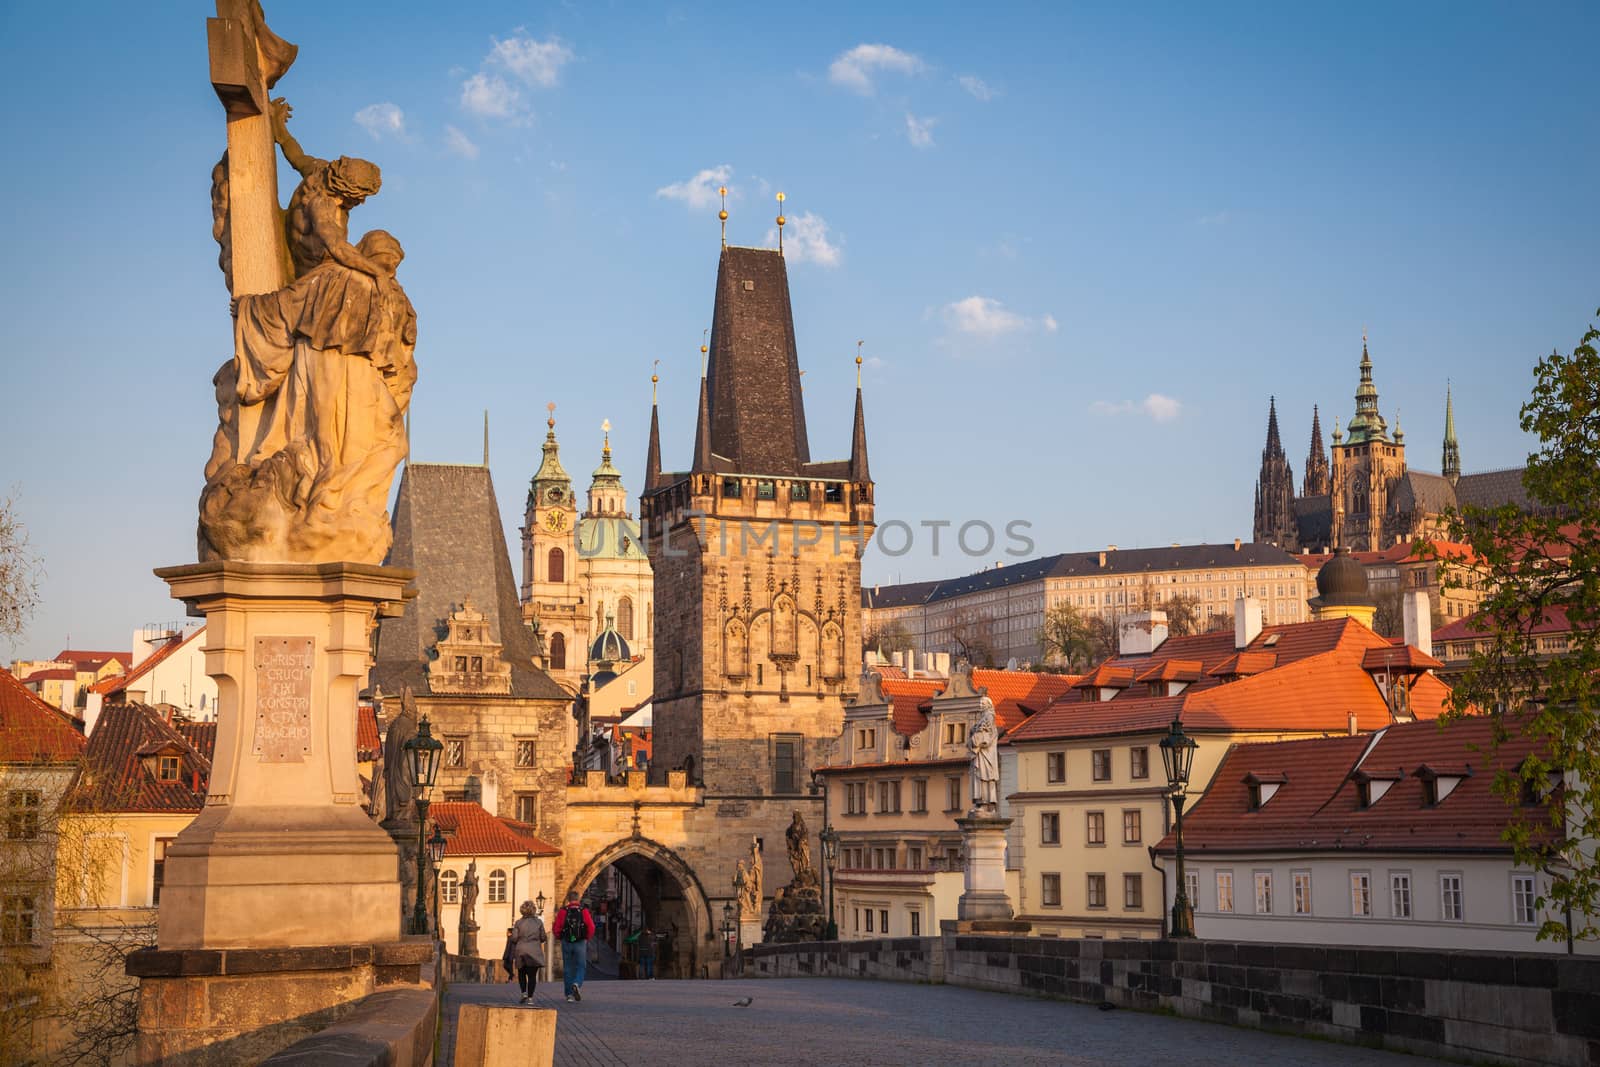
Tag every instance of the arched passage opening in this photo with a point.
(638, 883)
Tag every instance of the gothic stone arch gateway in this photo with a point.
(673, 898)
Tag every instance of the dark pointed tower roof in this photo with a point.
(1450, 467)
(702, 432)
(1316, 470)
(756, 418)
(1274, 518)
(652, 458)
(1274, 443)
(858, 439)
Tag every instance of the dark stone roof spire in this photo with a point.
(858, 439)
(1274, 444)
(1451, 466)
(1274, 519)
(756, 418)
(1316, 479)
(652, 458)
(702, 432)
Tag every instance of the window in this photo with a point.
(1097, 891)
(915, 918)
(919, 794)
(1139, 762)
(867, 738)
(17, 920)
(455, 752)
(169, 769)
(730, 489)
(952, 793)
(889, 797)
(914, 858)
(1224, 890)
(883, 921)
(869, 920)
(1055, 766)
(158, 873)
(856, 911)
(1191, 885)
(767, 490)
(526, 751)
(833, 494)
(1050, 828)
(786, 762)
(449, 887)
(1263, 892)
(1133, 892)
(1302, 892)
(955, 733)
(526, 808)
(497, 887)
(1400, 894)
(1095, 828)
(799, 491)
(625, 618)
(1524, 901)
(1450, 901)
(1050, 891)
(22, 814)
(1132, 828)
(557, 570)
(558, 652)
(1360, 894)
(855, 798)
(1102, 765)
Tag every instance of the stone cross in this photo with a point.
(247, 59)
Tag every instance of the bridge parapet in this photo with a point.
(594, 789)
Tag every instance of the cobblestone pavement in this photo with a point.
(840, 1021)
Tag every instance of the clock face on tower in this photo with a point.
(555, 520)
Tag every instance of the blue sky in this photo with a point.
(1082, 244)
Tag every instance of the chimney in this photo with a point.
(1141, 633)
(1352, 724)
(1102, 559)
(1236, 544)
(1246, 621)
(1417, 613)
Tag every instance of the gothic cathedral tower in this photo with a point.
(551, 598)
(1367, 465)
(1274, 490)
(757, 558)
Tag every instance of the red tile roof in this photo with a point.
(1173, 670)
(1404, 659)
(202, 735)
(1400, 553)
(1106, 676)
(1016, 695)
(117, 778)
(92, 661)
(32, 731)
(471, 831)
(1318, 807)
(1553, 621)
(120, 683)
(59, 674)
(1318, 680)
(889, 670)
(368, 745)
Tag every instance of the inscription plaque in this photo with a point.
(283, 699)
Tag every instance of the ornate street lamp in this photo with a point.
(1177, 755)
(538, 904)
(830, 859)
(728, 930)
(422, 761)
(436, 847)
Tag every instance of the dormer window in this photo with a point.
(168, 769)
(955, 733)
(1263, 787)
(867, 738)
(1440, 782)
(1371, 788)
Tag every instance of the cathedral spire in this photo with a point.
(1274, 519)
(1451, 466)
(1316, 478)
(1274, 444)
(702, 424)
(858, 440)
(1367, 424)
(652, 459)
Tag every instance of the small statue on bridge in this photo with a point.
(747, 884)
(981, 742)
(799, 840)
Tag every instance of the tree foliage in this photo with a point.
(20, 570)
(1078, 640)
(1538, 561)
(889, 639)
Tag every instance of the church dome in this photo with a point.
(1343, 581)
(609, 647)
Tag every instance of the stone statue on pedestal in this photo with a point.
(747, 883)
(799, 841)
(982, 740)
(311, 405)
(797, 913)
(467, 927)
(396, 775)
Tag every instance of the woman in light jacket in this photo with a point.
(529, 935)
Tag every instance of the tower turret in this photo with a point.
(1450, 466)
(1316, 476)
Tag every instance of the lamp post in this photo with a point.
(436, 846)
(728, 930)
(830, 859)
(422, 760)
(538, 904)
(1177, 754)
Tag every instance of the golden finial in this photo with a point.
(551, 421)
(858, 363)
(654, 378)
(722, 191)
(605, 428)
(704, 348)
(781, 221)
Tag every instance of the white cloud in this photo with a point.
(984, 316)
(700, 191)
(805, 240)
(531, 61)
(382, 119)
(920, 131)
(1156, 406)
(855, 69)
(1049, 323)
(976, 86)
(1216, 218)
(459, 143)
(489, 96)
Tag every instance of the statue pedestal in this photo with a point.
(749, 932)
(283, 855)
(983, 839)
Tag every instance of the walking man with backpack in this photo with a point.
(574, 926)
